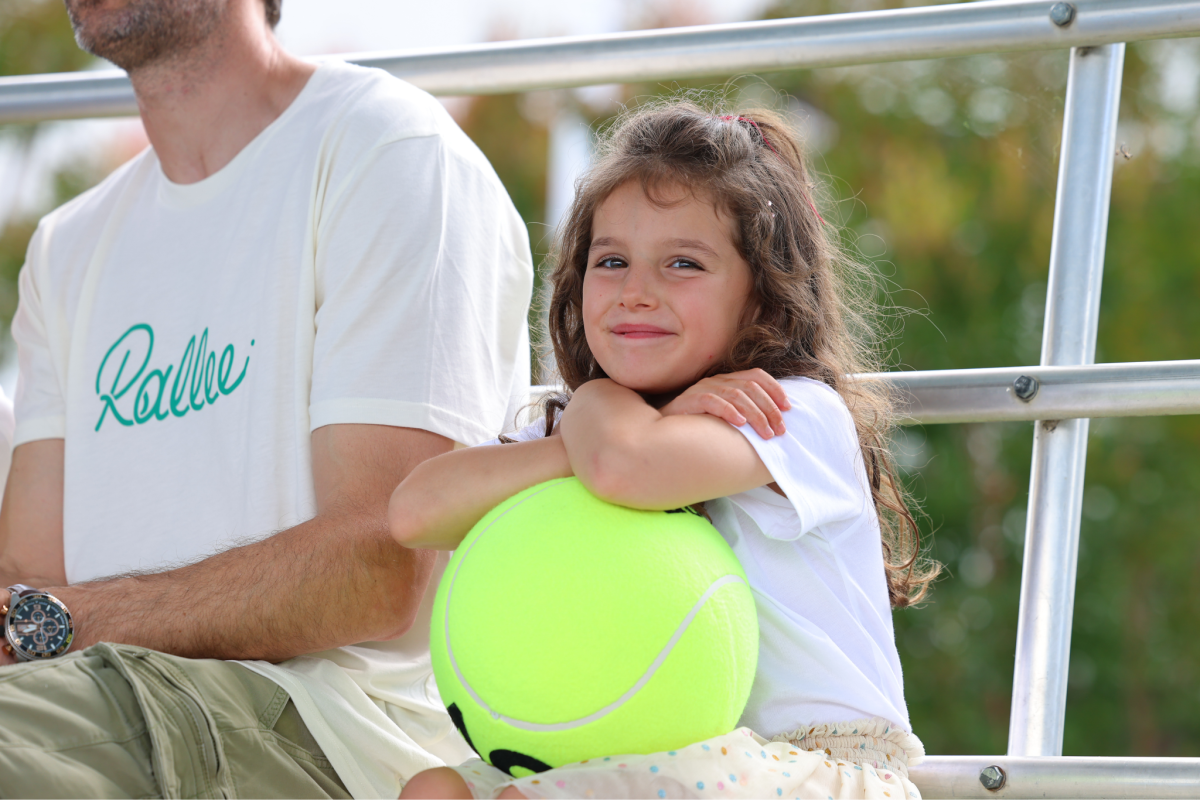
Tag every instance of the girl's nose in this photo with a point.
(637, 290)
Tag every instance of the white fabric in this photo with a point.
(865, 758)
(814, 561)
(358, 262)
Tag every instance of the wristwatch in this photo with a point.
(36, 624)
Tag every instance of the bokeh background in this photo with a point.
(943, 174)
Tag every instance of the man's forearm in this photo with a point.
(328, 582)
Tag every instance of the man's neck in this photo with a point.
(201, 109)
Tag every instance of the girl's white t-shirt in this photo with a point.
(814, 561)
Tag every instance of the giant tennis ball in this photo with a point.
(566, 628)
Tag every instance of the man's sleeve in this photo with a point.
(423, 280)
(38, 404)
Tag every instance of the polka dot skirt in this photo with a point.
(864, 759)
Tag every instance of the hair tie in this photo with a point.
(761, 135)
(767, 142)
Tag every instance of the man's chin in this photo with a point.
(103, 30)
(137, 33)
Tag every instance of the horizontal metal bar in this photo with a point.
(695, 52)
(1132, 389)
(66, 95)
(1059, 776)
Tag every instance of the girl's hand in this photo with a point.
(737, 397)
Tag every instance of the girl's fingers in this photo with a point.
(751, 411)
(772, 387)
(716, 406)
(750, 396)
(767, 404)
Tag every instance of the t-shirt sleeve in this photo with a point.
(818, 462)
(38, 403)
(529, 433)
(423, 281)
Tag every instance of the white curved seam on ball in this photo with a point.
(613, 706)
(454, 578)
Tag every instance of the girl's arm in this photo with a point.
(442, 498)
(629, 453)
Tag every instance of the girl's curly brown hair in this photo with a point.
(815, 317)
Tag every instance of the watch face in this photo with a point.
(39, 626)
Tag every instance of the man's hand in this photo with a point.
(335, 580)
(737, 397)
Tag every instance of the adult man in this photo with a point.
(231, 352)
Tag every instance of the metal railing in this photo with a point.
(1060, 394)
(703, 51)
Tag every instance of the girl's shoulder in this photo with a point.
(817, 464)
(812, 398)
(810, 387)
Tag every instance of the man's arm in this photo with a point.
(31, 542)
(337, 579)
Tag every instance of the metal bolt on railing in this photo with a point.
(1062, 14)
(993, 778)
(1026, 387)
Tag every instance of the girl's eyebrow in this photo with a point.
(686, 244)
(603, 241)
(693, 244)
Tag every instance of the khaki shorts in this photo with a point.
(123, 721)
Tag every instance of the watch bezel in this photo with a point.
(18, 599)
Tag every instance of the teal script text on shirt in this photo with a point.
(200, 378)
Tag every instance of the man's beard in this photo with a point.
(144, 31)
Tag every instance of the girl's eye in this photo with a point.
(683, 263)
(610, 262)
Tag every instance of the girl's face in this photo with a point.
(665, 289)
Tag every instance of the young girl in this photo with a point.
(700, 323)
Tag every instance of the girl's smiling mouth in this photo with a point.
(640, 331)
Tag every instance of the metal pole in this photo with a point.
(1007, 394)
(1092, 777)
(1060, 447)
(1012, 394)
(902, 34)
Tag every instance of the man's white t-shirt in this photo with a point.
(814, 561)
(358, 262)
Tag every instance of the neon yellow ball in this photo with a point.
(566, 628)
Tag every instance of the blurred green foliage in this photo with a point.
(35, 37)
(944, 173)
